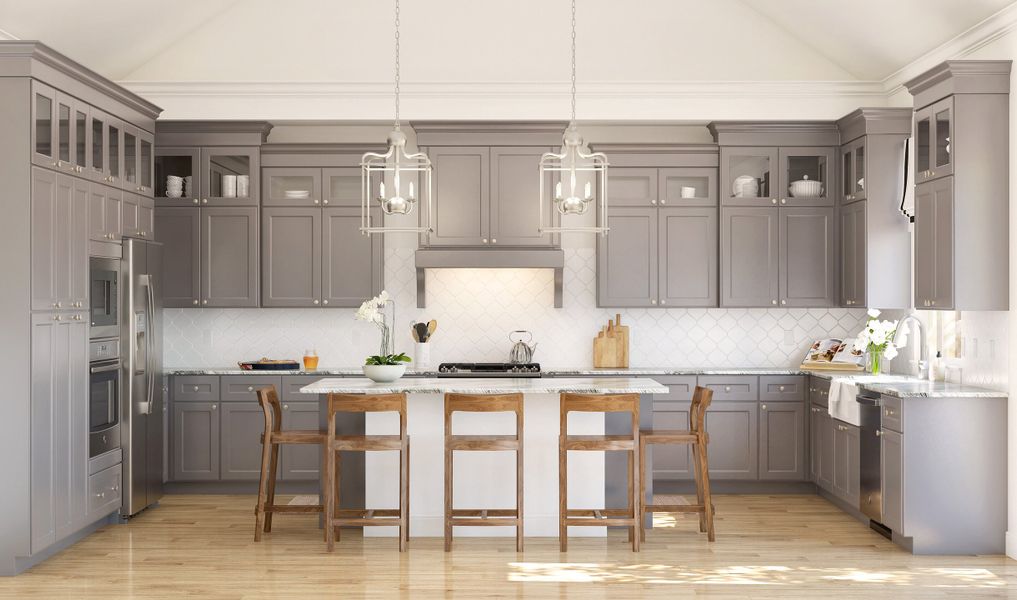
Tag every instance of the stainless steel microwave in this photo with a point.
(103, 291)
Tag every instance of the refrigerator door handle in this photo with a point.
(149, 321)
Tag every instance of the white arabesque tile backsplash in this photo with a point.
(476, 310)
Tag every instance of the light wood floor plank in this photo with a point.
(767, 547)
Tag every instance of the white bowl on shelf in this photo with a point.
(297, 194)
(806, 188)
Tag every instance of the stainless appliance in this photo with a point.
(103, 396)
(870, 482)
(141, 411)
(522, 352)
(103, 297)
(488, 370)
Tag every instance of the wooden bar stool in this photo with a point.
(477, 443)
(335, 517)
(697, 437)
(627, 517)
(271, 439)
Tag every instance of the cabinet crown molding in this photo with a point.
(212, 133)
(660, 154)
(875, 121)
(23, 58)
(960, 77)
(769, 133)
(322, 148)
(489, 133)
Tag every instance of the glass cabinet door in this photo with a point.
(858, 180)
(226, 176)
(98, 166)
(145, 162)
(63, 132)
(130, 158)
(114, 152)
(43, 128)
(79, 157)
(748, 176)
(805, 176)
(292, 187)
(176, 181)
(687, 186)
(342, 186)
(943, 126)
(923, 144)
(847, 157)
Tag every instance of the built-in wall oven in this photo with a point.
(103, 299)
(103, 396)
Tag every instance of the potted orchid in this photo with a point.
(877, 339)
(386, 366)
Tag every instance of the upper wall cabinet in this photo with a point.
(962, 193)
(662, 247)
(486, 183)
(875, 241)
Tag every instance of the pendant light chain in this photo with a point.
(573, 123)
(397, 63)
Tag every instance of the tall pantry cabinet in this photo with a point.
(76, 149)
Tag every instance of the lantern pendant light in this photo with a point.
(396, 164)
(575, 171)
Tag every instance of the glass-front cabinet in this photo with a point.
(98, 160)
(43, 125)
(176, 181)
(342, 186)
(230, 175)
(146, 166)
(115, 151)
(286, 186)
(130, 181)
(784, 176)
(933, 136)
(852, 157)
(79, 136)
(687, 186)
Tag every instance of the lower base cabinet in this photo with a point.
(195, 443)
(104, 492)
(847, 449)
(734, 435)
(892, 474)
(241, 428)
(300, 462)
(782, 441)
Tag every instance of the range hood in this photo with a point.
(489, 258)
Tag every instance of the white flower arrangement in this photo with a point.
(877, 337)
(373, 311)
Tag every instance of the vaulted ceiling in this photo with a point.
(473, 41)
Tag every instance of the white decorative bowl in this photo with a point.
(745, 186)
(297, 194)
(384, 373)
(806, 188)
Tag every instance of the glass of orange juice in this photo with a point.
(310, 360)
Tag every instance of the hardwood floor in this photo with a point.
(767, 547)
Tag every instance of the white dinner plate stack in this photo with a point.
(174, 186)
(745, 186)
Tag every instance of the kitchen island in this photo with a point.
(484, 479)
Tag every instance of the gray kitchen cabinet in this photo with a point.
(734, 435)
(853, 276)
(816, 435)
(300, 462)
(183, 162)
(195, 441)
(782, 388)
(460, 212)
(685, 186)
(515, 194)
(671, 462)
(291, 263)
(229, 257)
(782, 433)
(244, 388)
(221, 164)
(853, 166)
(130, 214)
(353, 267)
(891, 445)
(687, 264)
(292, 186)
(146, 217)
(131, 150)
(341, 187)
(827, 451)
(627, 273)
(807, 257)
(933, 134)
(807, 164)
(104, 492)
(749, 256)
(59, 240)
(104, 213)
(59, 426)
(179, 231)
(633, 186)
(934, 244)
(242, 425)
(196, 388)
(44, 127)
(846, 449)
(744, 164)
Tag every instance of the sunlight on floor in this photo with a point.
(938, 577)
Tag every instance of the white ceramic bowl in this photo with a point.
(384, 373)
(297, 194)
(806, 188)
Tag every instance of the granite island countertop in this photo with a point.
(535, 385)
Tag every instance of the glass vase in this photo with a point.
(875, 362)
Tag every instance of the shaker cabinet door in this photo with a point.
(353, 269)
(934, 244)
(291, 266)
(734, 430)
(515, 197)
(627, 259)
(195, 441)
(243, 424)
(179, 231)
(749, 257)
(671, 462)
(807, 253)
(892, 478)
(300, 462)
(782, 441)
(229, 257)
(687, 256)
(60, 205)
(461, 207)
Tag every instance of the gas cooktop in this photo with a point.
(489, 370)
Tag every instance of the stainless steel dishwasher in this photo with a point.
(870, 463)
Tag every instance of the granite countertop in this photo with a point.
(906, 386)
(549, 385)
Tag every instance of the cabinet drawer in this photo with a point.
(891, 413)
(778, 388)
(680, 388)
(739, 387)
(196, 388)
(242, 388)
(291, 384)
(819, 391)
(104, 492)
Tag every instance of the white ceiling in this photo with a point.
(473, 41)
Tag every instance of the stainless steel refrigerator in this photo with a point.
(142, 408)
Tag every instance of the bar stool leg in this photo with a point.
(697, 467)
(272, 476)
(634, 486)
(632, 506)
(330, 498)
(519, 497)
(448, 499)
(337, 501)
(704, 469)
(563, 494)
(642, 489)
(404, 489)
(259, 511)
(408, 476)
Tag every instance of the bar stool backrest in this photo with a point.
(367, 403)
(701, 399)
(269, 400)
(484, 403)
(627, 403)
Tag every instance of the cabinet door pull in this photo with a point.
(195, 388)
(215, 406)
(763, 407)
(250, 388)
(780, 388)
(727, 388)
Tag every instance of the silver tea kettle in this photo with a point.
(521, 352)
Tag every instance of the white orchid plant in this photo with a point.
(373, 311)
(877, 338)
